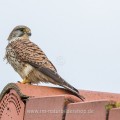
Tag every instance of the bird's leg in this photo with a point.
(25, 80)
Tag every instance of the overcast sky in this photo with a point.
(80, 37)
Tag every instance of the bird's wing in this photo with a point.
(30, 53)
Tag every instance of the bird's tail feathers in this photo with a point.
(73, 90)
(57, 79)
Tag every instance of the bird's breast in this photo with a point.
(19, 66)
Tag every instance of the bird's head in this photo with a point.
(20, 31)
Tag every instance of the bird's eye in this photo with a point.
(22, 30)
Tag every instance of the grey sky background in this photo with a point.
(81, 38)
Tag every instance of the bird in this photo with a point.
(31, 63)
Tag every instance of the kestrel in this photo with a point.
(30, 62)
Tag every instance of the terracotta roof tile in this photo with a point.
(23, 101)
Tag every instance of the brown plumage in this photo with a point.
(30, 62)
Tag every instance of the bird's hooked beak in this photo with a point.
(29, 34)
(27, 31)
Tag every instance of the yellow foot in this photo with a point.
(24, 81)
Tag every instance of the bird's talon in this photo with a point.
(24, 81)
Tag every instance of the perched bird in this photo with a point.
(30, 62)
